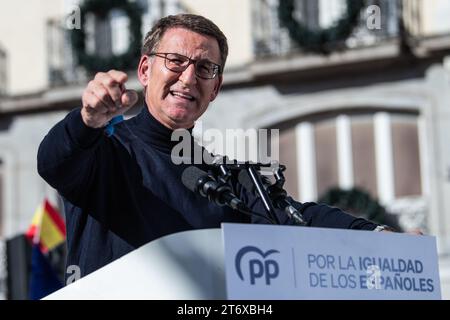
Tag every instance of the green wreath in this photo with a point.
(355, 201)
(101, 8)
(321, 40)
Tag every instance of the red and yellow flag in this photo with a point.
(47, 228)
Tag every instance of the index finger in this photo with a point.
(118, 76)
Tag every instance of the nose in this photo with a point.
(188, 77)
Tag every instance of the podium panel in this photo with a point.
(289, 262)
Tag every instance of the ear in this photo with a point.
(217, 87)
(143, 70)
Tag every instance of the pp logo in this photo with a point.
(257, 267)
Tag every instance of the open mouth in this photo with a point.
(182, 95)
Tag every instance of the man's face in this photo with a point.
(178, 99)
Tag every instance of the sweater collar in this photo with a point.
(152, 132)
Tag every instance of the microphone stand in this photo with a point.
(267, 195)
(268, 205)
(251, 168)
(276, 191)
(225, 175)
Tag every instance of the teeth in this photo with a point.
(182, 95)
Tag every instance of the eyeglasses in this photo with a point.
(175, 62)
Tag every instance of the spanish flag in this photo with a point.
(47, 228)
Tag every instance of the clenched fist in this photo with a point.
(106, 97)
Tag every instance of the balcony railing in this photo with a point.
(102, 37)
(270, 38)
(60, 56)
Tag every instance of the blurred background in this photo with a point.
(360, 91)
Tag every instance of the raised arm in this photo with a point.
(67, 155)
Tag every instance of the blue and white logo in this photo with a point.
(258, 268)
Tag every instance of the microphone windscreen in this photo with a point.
(190, 177)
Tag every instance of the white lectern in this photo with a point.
(269, 262)
(185, 265)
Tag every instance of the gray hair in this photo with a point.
(190, 22)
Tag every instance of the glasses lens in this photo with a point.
(205, 69)
(176, 62)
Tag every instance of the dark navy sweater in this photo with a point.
(123, 191)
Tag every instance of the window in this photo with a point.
(270, 38)
(405, 147)
(103, 37)
(363, 153)
(60, 59)
(377, 152)
(326, 155)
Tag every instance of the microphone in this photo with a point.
(280, 200)
(200, 182)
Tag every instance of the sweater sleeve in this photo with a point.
(66, 156)
(321, 215)
(316, 215)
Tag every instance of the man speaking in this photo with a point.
(120, 188)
